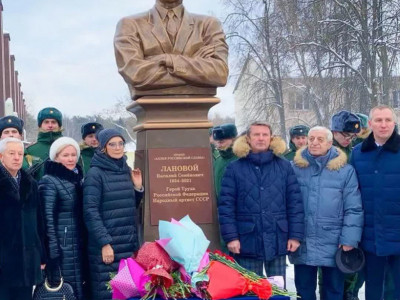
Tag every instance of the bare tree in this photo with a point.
(254, 35)
(362, 38)
(336, 54)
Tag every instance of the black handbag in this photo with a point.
(63, 291)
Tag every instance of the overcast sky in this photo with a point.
(64, 51)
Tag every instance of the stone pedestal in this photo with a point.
(174, 153)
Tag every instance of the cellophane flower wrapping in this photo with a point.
(186, 243)
(130, 280)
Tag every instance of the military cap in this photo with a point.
(11, 122)
(90, 128)
(345, 121)
(363, 120)
(299, 130)
(49, 113)
(225, 131)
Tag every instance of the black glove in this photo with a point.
(53, 272)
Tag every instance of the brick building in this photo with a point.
(10, 87)
(297, 99)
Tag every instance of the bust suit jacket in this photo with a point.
(142, 40)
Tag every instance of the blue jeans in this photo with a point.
(375, 269)
(305, 279)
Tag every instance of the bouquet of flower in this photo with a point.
(179, 265)
(249, 281)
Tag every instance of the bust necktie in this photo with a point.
(172, 27)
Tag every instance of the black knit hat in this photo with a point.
(90, 128)
(225, 131)
(105, 135)
(350, 261)
(49, 113)
(11, 122)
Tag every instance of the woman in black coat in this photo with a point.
(22, 250)
(112, 192)
(61, 194)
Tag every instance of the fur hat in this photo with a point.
(63, 142)
(90, 128)
(225, 131)
(105, 135)
(350, 261)
(363, 119)
(299, 130)
(11, 122)
(345, 121)
(49, 113)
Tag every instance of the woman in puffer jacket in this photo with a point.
(61, 195)
(111, 194)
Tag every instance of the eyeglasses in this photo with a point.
(115, 145)
(348, 136)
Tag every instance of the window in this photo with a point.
(299, 101)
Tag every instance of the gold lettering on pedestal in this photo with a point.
(180, 182)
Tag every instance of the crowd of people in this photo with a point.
(58, 207)
(70, 210)
(335, 190)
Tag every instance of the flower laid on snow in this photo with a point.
(179, 265)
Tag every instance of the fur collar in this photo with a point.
(58, 170)
(83, 146)
(334, 164)
(365, 134)
(392, 144)
(25, 188)
(241, 148)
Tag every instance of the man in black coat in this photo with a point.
(22, 250)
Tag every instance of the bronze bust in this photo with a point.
(169, 51)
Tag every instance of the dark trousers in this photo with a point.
(275, 267)
(375, 269)
(15, 293)
(305, 279)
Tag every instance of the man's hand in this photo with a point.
(292, 245)
(347, 248)
(234, 246)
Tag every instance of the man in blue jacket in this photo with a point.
(333, 214)
(260, 208)
(377, 163)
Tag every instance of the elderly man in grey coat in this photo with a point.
(333, 214)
